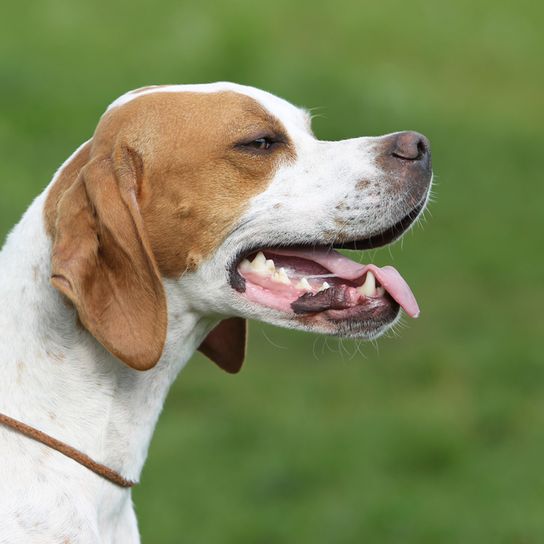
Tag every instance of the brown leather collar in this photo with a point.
(65, 449)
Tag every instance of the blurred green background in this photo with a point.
(434, 435)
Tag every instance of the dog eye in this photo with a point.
(261, 144)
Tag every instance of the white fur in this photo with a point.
(59, 379)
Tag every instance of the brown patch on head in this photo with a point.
(158, 189)
(197, 179)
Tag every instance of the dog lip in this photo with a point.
(386, 236)
(367, 319)
(378, 310)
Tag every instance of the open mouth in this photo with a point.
(318, 280)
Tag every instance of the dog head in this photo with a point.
(224, 191)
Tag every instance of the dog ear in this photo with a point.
(102, 260)
(226, 344)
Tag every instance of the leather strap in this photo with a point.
(68, 451)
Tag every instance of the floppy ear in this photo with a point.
(102, 260)
(226, 344)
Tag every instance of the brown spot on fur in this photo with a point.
(193, 261)
(331, 236)
(341, 223)
(278, 205)
(362, 184)
(55, 355)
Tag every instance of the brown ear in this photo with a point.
(226, 344)
(102, 260)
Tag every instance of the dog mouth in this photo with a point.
(316, 281)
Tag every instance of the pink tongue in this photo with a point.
(345, 268)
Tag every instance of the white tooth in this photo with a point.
(303, 284)
(323, 287)
(368, 289)
(259, 263)
(245, 265)
(270, 266)
(380, 291)
(259, 259)
(281, 277)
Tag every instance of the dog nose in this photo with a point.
(405, 160)
(411, 146)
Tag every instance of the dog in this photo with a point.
(191, 209)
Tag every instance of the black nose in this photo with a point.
(411, 146)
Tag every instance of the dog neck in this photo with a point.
(57, 378)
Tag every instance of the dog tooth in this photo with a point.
(303, 284)
(368, 289)
(270, 266)
(380, 291)
(281, 276)
(245, 265)
(259, 263)
(259, 259)
(324, 287)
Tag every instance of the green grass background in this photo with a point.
(434, 436)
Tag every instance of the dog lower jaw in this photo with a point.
(323, 289)
(365, 322)
(360, 328)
